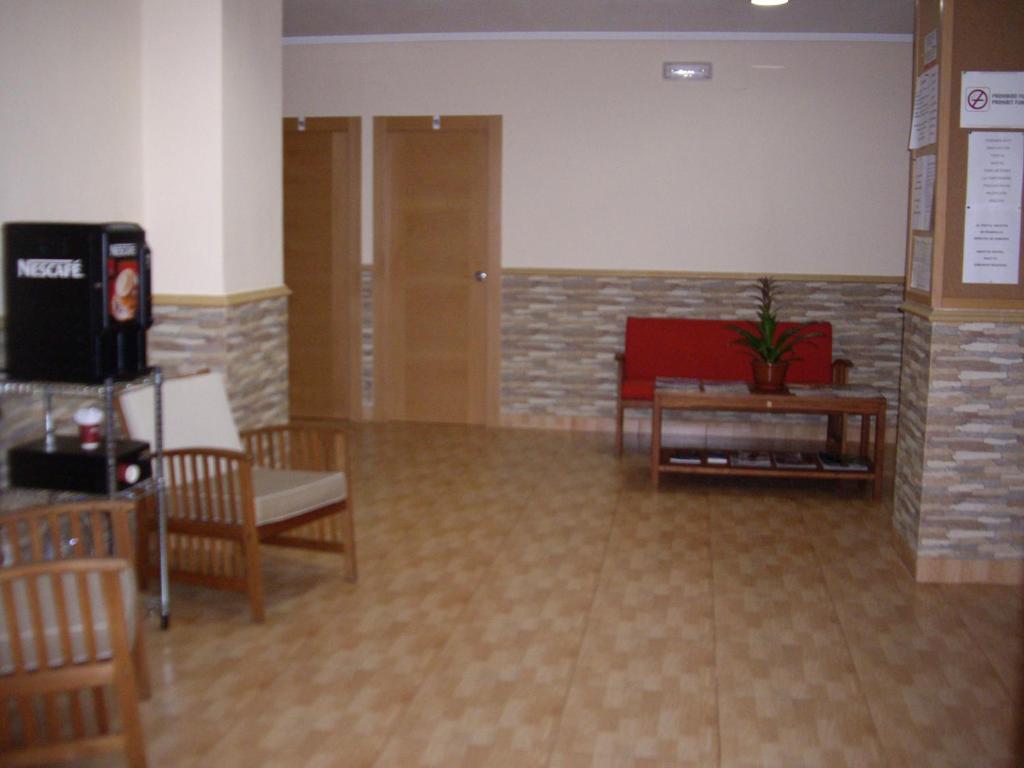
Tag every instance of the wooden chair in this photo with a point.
(228, 493)
(72, 659)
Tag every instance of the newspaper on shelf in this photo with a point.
(685, 456)
(833, 390)
(751, 459)
(717, 458)
(677, 384)
(850, 391)
(727, 387)
(795, 460)
(813, 390)
(832, 461)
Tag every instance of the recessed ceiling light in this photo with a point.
(769, 2)
(677, 70)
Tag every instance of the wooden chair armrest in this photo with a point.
(295, 446)
(70, 530)
(841, 370)
(72, 565)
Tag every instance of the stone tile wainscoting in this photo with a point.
(245, 336)
(910, 445)
(560, 332)
(959, 506)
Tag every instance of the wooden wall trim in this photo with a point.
(228, 300)
(327, 124)
(904, 551)
(492, 363)
(681, 274)
(964, 314)
(948, 570)
(670, 274)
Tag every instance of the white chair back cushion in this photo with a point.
(196, 413)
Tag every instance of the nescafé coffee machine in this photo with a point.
(78, 305)
(78, 301)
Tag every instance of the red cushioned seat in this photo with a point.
(706, 349)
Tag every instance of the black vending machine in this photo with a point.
(78, 307)
(78, 301)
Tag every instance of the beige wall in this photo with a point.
(183, 152)
(70, 142)
(212, 106)
(164, 112)
(792, 159)
(252, 145)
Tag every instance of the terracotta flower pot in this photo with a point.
(769, 377)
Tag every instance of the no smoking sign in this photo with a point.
(977, 100)
(992, 100)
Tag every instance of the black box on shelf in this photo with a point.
(69, 467)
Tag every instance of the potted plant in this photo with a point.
(771, 348)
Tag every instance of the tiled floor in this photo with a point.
(526, 599)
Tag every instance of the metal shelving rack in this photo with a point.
(155, 484)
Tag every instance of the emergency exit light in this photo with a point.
(675, 70)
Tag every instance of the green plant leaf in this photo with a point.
(762, 338)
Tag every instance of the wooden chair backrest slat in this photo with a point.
(208, 486)
(72, 530)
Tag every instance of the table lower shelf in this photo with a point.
(696, 462)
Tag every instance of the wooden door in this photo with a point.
(321, 267)
(436, 268)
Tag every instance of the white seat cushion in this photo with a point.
(51, 625)
(283, 493)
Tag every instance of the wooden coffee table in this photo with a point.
(691, 395)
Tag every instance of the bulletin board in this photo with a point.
(985, 37)
(926, 56)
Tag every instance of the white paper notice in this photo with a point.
(931, 47)
(923, 192)
(921, 265)
(926, 109)
(992, 100)
(995, 168)
(992, 245)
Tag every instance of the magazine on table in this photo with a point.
(718, 458)
(834, 461)
(813, 390)
(727, 387)
(684, 456)
(849, 391)
(795, 460)
(677, 384)
(752, 459)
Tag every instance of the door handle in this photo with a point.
(480, 276)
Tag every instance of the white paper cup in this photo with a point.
(89, 421)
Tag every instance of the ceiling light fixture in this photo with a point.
(768, 2)
(677, 70)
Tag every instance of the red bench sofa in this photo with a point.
(704, 349)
